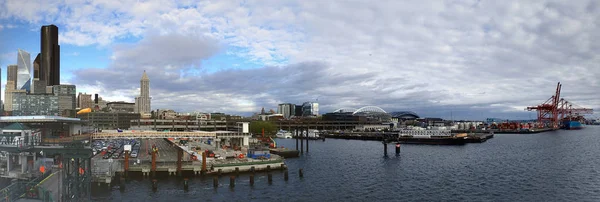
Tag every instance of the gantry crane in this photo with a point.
(556, 109)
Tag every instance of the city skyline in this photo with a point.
(487, 62)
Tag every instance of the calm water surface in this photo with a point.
(552, 166)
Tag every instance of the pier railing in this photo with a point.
(445, 133)
(27, 189)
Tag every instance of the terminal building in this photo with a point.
(109, 120)
(184, 125)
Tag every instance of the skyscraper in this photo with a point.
(50, 61)
(11, 75)
(38, 85)
(23, 70)
(142, 103)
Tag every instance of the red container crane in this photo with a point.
(556, 109)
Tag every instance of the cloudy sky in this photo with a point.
(471, 59)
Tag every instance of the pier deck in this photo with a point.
(104, 169)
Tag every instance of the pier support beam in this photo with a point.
(385, 148)
(203, 162)
(215, 181)
(154, 185)
(153, 163)
(126, 164)
(307, 138)
(301, 137)
(296, 131)
(179, 158)
(397, 149)
(185, 184)
(270, 178)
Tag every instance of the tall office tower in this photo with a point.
(23, 70)
(38, 85)
(142, 102)
(50, 60)
(11, 85)
(11, 75)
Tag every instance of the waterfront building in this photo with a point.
(66, 96)
(24, 104)
(183, 125)
(310, 109)
(23, 70)
(343, 116)
(298, 110)
(109, 120)
(287, 110)
(121, 106)
(142, 102)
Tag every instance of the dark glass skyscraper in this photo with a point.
(50, 63)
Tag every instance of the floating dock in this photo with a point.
(450, 140)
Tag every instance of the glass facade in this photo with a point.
(23, 71)
(310, 109)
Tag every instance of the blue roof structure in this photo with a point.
(405, 115)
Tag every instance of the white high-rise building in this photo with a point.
(142, 102)
(287, 109)
(23, 70)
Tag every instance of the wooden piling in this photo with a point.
(231, 181)
(270, 178)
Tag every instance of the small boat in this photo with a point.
(284, 134)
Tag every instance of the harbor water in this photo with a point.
(552, 166)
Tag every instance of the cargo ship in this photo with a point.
(572, 125)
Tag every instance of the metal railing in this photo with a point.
(27, 189)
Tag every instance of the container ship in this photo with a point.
(572, 125)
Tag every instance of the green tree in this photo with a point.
(257, 126)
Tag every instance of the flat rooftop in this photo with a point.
(38, 119)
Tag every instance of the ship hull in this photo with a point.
(572, 125)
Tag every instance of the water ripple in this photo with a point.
(553, 166)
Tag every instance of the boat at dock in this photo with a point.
(283, 134)
(571, 125)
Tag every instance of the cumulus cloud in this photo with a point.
(485, 57)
